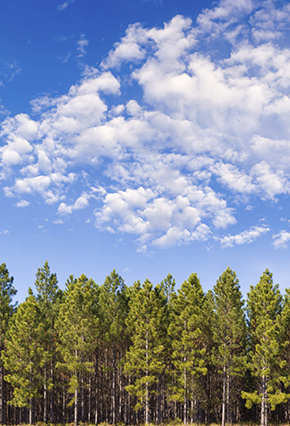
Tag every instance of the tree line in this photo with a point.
(142, 353)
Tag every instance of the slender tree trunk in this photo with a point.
(106, 377)
(185, 397)
(90, 399)
(97, 386)
(51, 391)
(120, 395)
(30, 411)
(114, 385)
(82, 391)
(224, 396)
(146, 391)
(129, 404)
(192, 409)
(102, 394)
(1, 392)
(45, 395)
(82, 399)
(63, 406)
(264, 404)
(228, 397)
(76, 406)
(76, 395)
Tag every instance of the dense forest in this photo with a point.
(142, 353)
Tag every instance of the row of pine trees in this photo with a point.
(140, 354)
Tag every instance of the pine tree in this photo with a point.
(209, 384)
(145, 356)
(76, 326)
(229, 333)
(48, 299)
(24, 356)
(113, 310)
(7, 291)
(187, 341)
(264, 307)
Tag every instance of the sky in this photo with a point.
(149, 136)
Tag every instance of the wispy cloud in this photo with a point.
(244, 237)
(82, 44)
(8, 71)
(64, 5)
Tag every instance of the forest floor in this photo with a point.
(173, 423)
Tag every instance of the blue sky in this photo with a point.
(145, 136)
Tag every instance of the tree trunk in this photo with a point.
(129, 404)
(76, 395)
(146, 391)
(63, 406)
(192, 409)
(114, 385)
(185, 397)
(90, 399)
(1, 393)
(82, 398)
(224, 396)
(30, 411)
(51, 391)
(45, 395)
(97, 388)
(120, 395)
(76, 406)
(264, 404)
(229, 420)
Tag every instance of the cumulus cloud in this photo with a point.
(207, 135)
(22, 203)
(81, 203)
(281, 239)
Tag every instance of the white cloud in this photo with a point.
(281, 239)
(207, 136)
(64, 5)
(81, 203)
(22, 203)
(58, 222)
(82, 44)
(129, 48)
(244, 237)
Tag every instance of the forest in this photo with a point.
(145, 353)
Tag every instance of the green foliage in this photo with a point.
(24, 355)
(145, 323)
(264, 307)
(186, 331)
(77, 326)
(7, 291)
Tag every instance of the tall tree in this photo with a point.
(7, 291)
(229, 332)
(113, 310)
(187, 340)
(24, 356)
(264, 307)
(76, 326)
(144, 358)
(48, 298)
